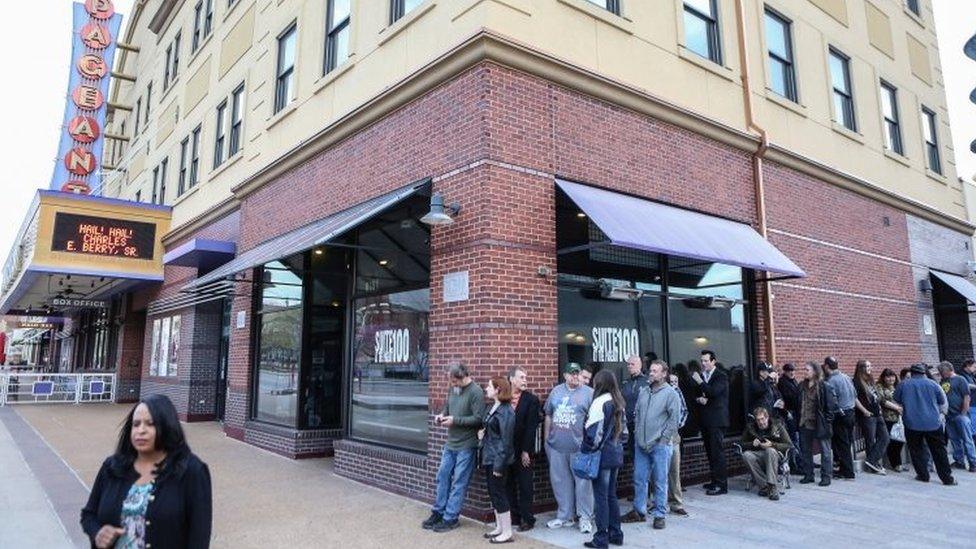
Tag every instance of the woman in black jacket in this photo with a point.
(606, 433)
(818, 400)
(153, 492)
(497, 454)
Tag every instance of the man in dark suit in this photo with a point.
(527, 417)
(713, 404)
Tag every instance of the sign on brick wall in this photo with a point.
(456, 287)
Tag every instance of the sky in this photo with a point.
(36, 87)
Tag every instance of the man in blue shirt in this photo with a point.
(957, 420)
(969, 372)
(924, 403)
(843, 436)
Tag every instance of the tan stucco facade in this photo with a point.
(637, 58)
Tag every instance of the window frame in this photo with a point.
(220, 136)
(236, 121)
(891, 126)
(398, 10)
(163, 168)
(713, 31)
(149, 87)
(195, 156)
(792, 91)
(138, 113)
(914, 6)
(933, 156)
(195, 37)
(847, 96)
(166, 67)
(175, 73)
(288, 74)
(613, 6)
(208, 19)
(184, 147)
(332, 31)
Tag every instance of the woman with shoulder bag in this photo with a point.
(497, 454)
(152, 491)
(891, 411)
(869, 415)
(605, 433)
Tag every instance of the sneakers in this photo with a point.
(632, 517)
(872, 467)
(773, 493)
(558, 523)
(586, 526)
(763, 492)
(680, 511)
(972, 468)
(432, 520)
(446, 525)
(659, 523)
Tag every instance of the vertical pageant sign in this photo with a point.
(94, 29)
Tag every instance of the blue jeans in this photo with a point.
(656, 463)
(452, 481)
(607, 509)
(960, 431)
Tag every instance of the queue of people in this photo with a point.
(589, 433)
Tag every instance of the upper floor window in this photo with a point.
(202, 23)
(843, 94)
(913, 6)
(612, 6)
(159, 182)
(219, 136)
(172, 68)
(285, 73)
(779, 42)
(148, 101)
(195, 156)
(236, 120)
(181, 186)
(892, 122)
(931, 135)
(135, 126)
(399, 8)
(701, 29)
(337, 34)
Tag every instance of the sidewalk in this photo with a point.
(872, 511)
(260, 499)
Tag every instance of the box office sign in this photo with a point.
(615, 344)
(83, 234)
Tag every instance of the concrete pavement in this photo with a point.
(261, 500)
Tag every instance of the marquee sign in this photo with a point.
(95, 27)
(85, 234)
(34, 322)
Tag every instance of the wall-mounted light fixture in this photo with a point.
(925, 285)
(440, 214)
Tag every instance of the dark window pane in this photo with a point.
(391, 369)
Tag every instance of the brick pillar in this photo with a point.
(200, 359)
(128, 370)
(239, 362)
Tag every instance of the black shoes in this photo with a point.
(952, 482)
(709, 485)
(972, 468)
(958, 465)
(526, 526)
(446, 526)
(824, 482)
(432, 520)
(717, 491)
(806, 480)
(680, 511)
(659, 523)
(921, 478)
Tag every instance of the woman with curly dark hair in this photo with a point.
(153, 491)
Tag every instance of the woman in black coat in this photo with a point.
(153, 492)
(818, 400)
(606, 432)
(497, 454)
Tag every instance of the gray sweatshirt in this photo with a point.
(657, 415)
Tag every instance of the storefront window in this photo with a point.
(280, 343)
(322, 377)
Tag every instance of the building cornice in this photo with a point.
(487, 45)
(219, 210)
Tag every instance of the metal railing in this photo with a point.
(17, 388)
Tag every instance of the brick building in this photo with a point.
(603, 210)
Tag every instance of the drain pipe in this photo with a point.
(757, 171)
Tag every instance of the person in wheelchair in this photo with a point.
(765, 444)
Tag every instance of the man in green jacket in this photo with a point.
(763, 442)
(462, 414)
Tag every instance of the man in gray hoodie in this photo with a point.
(656, 424)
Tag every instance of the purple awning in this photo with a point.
(640, 224)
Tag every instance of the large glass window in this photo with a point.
(280, 341)
(892, 123)
(614, 302)
(285, 71)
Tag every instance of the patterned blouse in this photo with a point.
(887, 395)
(134, 517)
